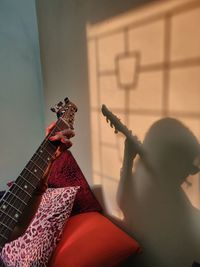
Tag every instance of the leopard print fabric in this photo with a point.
(66, 172)
(35, 247)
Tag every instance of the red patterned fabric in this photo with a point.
(40, 239)
(66, 172)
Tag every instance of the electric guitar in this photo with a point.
(16, 199)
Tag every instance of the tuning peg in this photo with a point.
(53, 109)
(66, 100)
(60, 104)
(107, 120)
(116, 131)
(111, 125)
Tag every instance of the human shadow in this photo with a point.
(156, 209)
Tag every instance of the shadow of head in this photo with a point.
(173, 149)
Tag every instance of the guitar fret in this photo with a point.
(15, 184)
(6, 226)
(51, 145)
(3, 236)
(42, 148)
(8, 216)
(38, 162)
(34, 187)
(35, 171)
(40, 158)
(58, 128)
(8, 203)
(5, 229)
(49, 149)
(64, 124)
(14, 189)
(45, 149)
(28, 181)
(21, 186)
(5, 219)
(46, 162)
(18, 198)
(12, 218)
(14, 212)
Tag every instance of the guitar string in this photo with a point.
(46, 141)
(12, 198)
(30, 164)
(6, 221)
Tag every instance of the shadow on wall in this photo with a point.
(63, 47)
(166, 40)
(155, 208)
(143, 65)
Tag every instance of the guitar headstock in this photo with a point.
(114, 121)
(66, 111)
(119, 126)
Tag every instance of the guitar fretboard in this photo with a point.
(18, 196)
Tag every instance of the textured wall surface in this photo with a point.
(143, 65)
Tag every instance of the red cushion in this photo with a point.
(66, 172)
(91, 240)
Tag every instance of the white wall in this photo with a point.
(64, 65)
(21, 97)
(62, 26)
(62, 30)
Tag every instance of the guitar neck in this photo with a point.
(18, 196)
(120, 127)
(135, 142)
(137, 145)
